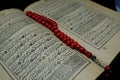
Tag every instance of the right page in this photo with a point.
(91, 25)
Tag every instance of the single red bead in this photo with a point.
(75, 42)
(52, 21)
(65, 35)
(61, 37)
(88, 54)
(49, 26)
(56, 31)
(46, 24)
(107, 68)
(68, 42)
(62, 33)
(58, 34)
(77, 46)
(43, 22)
(28, 13)
(64, 39)
(82, 50)
(85, 52)
(37, 18)
(54, 24)
(71, 40)
(33, 16)
(42, 17)
(72, 45)
(52, 28)
(48, 19)
(68, 38)
(55, 27)
(59, 31)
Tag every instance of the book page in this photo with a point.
(29, 51)
(93, 26)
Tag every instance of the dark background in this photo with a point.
(115, 64)
(21, 4)
(107, 3)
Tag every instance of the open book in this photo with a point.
(29, 51)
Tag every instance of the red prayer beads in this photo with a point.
(52, 25)
(108, 71)
(107, 68)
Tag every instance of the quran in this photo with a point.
(31, 51)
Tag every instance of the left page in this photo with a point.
(29, 51)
